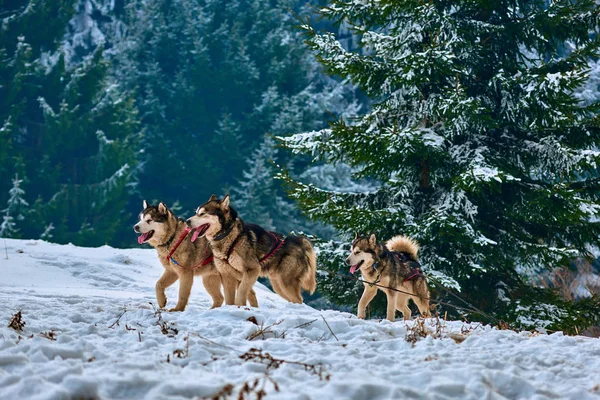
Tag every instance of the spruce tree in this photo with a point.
(15, 210)
(482, 150)
(259, 198)
(68, 127)
(210, 80)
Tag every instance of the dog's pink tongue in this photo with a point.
(195, 234)
(142, 238)
(353, 269)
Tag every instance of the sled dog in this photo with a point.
(181, 258)
(248, 251)
(394, 265)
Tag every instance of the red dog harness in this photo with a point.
(169, 258)
(416, 272)
(276, 246)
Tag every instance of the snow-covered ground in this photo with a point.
(91, 332)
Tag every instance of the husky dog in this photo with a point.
(394, 265)
(182, 259)
(247, 251)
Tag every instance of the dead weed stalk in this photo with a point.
(16, 322)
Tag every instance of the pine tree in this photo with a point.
(15, 210)
(210, 80)
(480, 146)
(8, 227)
(70, 129)
(259, 198)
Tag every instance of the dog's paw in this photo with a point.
(162, 301)
(176, 309)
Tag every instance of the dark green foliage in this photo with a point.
(69, 132)
(481, 148)
(211, 79)
(541, 308)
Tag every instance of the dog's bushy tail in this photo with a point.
(309, 281)
(404, 244)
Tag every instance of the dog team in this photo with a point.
(227, 252)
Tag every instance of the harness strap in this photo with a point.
(223, 234)
(183, 235)
(417, 272)
(207, 260)
(232, 247)
(277, 245)
(168, 242)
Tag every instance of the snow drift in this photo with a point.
(91, 330)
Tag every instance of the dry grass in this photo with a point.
(117, 321)
(435, 327)
(222, 394)
(265, 332)
(16, 322)
(50, 335)
(421, 328)
(567, 283)
(256, 388)
(165, 328)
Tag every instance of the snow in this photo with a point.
(75, 345)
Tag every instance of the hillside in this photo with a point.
(91, 331)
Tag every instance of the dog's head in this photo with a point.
(154, 226)
(211, 216)
(363, 252)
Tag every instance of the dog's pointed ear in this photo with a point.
(225, 202)
(145, 204)
(212, 197)
(372, 240)
(162, 208)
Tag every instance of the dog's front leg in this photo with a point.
(249, 278)
(230, 283)
(252, 298)
(168, 278)
(365, 299)
(186, 280)
(212, 284)
(392, 297)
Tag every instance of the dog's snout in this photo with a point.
(189, 222)
(348, 260)
(136, 228)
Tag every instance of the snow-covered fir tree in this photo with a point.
(258, 197)
(73, 130)
(8, 227)
(15, 210)
(482, 150)
(211, 78)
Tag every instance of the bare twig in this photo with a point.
(305, 324)
(116, 323)
(5, 249)
(416, 331)
(262, 330)
(212, 342)
(222, 394)
(274, 363)
(329, 328)
(50, 335)
(165, 328)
